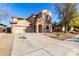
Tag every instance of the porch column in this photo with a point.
(37, 27)
(51, 28)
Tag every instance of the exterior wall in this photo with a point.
(45, 20)
(20, 25)
(33, 27)
(40, 22)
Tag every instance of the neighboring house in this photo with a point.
(3, 28)
(41, 22)
(57, 28)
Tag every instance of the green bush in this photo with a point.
(74, 23)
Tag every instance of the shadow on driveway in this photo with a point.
(74, 39)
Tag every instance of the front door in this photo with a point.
(40, 28)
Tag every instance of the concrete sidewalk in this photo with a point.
(32, 44)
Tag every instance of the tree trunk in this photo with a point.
(66, 26)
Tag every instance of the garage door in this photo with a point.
(19, 30)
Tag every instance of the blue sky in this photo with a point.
(24, 10)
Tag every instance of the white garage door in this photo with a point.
(19, 30)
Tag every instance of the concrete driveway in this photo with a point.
(33, 44)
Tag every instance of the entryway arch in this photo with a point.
(34, 28)
(39, 28)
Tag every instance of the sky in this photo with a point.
(24, 10)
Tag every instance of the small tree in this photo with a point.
(4, 11)
(66, 12)
(74, 23)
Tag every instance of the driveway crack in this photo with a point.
(47, 51)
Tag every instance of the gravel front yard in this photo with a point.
(5, 44)
(61, 35)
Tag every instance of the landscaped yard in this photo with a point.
(61, 35)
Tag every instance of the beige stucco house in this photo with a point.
(41, 22)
